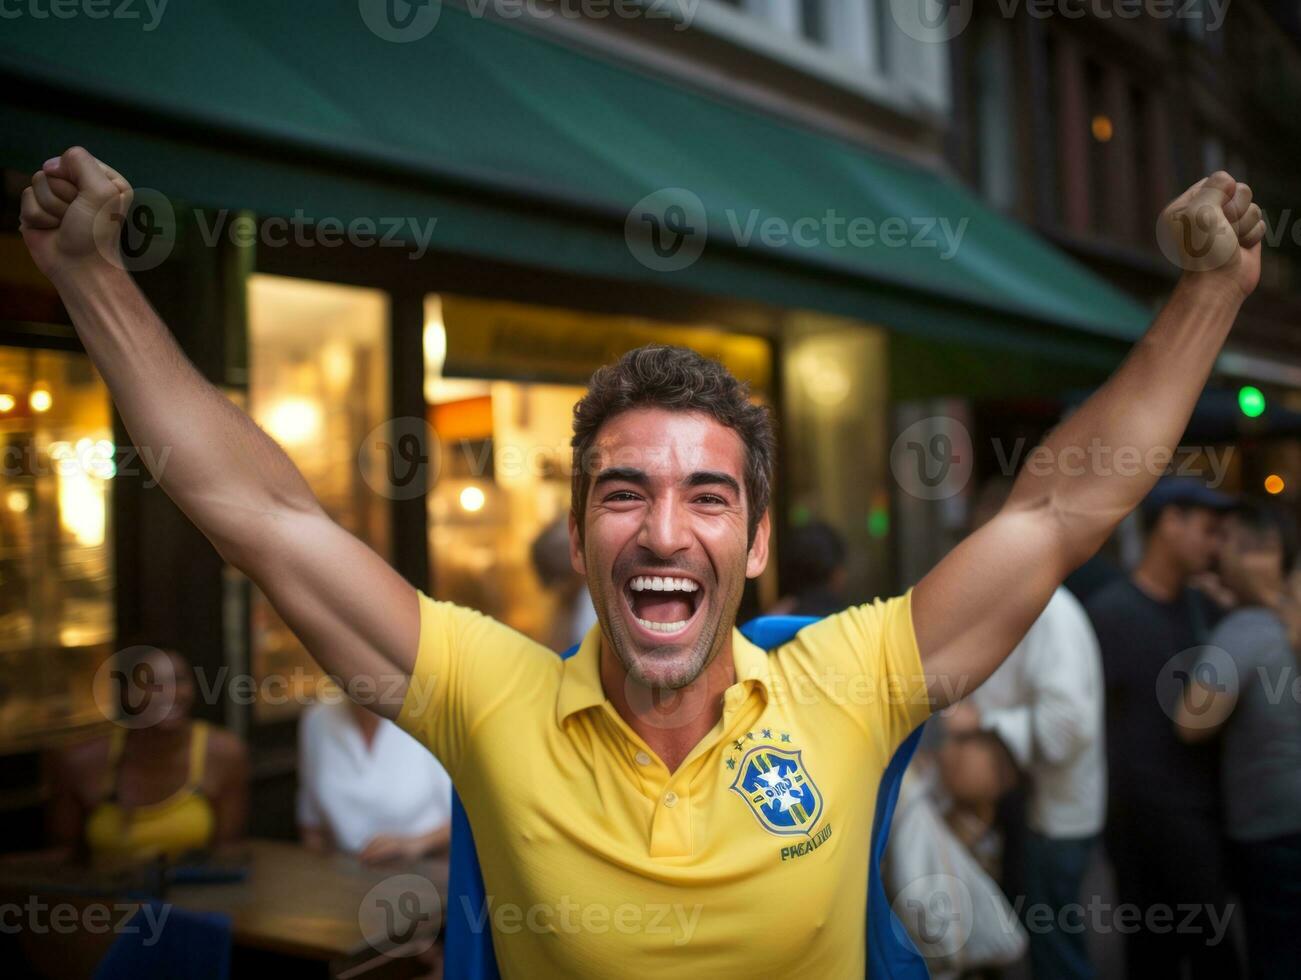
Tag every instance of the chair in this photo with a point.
(162, 941)
(891, 954)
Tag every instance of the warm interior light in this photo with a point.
(40, 400)
(1102, 128)
(293, 421)
(7, 403)
(1274, 484)
(472, 499)
(435, 346)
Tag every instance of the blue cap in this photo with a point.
(1184, 491)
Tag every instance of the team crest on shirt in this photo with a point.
(778, 789)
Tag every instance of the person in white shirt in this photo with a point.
(1046, 705)
(368, 788)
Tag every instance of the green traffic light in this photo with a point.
(1252, 401)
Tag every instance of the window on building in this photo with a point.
(57, 620)
(992, 79)
(1046, 148)
(319, 384)
(1101, 131)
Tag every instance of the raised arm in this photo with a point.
(1094, 468)
(354, 613)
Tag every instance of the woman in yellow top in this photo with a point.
(160, 783)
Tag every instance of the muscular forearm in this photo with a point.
(1098, 465)
(1094, 468)
(212, 459)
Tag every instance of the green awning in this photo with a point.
(529, 151)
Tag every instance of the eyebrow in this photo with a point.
(700, 478)
(704, 478)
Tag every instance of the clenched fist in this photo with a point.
(1214, 229)
(72, 214)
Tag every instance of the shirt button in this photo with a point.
(670, 798)
(642, 759)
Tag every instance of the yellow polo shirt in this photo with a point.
(750, 860)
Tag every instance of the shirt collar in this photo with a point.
(580, 681)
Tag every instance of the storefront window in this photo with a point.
(836, 452)
(318, 384)
(56, 558)
(504, 423)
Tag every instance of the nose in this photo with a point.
(665, 530)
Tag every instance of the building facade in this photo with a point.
(403, 246)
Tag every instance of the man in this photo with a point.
(1163, 827)
(813, 563)
(726, 835)
(1245, 687)
(1045, 704)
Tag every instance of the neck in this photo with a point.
(1269, 595)
(158, 739)
(1159, 575)
(671, 722)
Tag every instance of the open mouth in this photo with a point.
(663, 605)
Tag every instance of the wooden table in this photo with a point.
(320, 914)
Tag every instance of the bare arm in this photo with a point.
(65, 816)
(355, 614)
(232, 798)
(976, 604)
(396, 847)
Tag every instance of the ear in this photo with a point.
(757, 560)
(576, 558)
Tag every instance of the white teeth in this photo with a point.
(656, 583)
(662, 627)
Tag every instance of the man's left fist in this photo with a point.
(1214, 229)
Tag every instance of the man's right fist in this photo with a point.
(72, 214)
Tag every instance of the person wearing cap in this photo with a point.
(1243, 690)
(672, 800)
(1163, 828)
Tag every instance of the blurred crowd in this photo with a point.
(1124, 793)
(1130, 777)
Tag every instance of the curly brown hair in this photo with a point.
(679, 379)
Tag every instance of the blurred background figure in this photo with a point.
(977, 772)
(1045, 705)
(168, 786)
(1164, 826)
(1242, 689)
(939, 866)
(368, 788)
(574, 614)
(813, 565)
